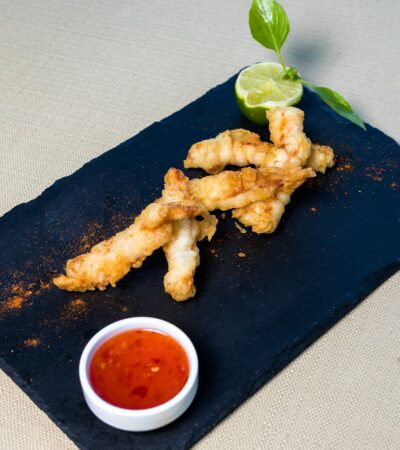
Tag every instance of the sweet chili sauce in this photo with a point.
(139, 369)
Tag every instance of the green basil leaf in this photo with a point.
(337, 102)
(269, 24)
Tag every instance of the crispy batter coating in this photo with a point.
(264, 217)
(286, 128)
(237, 147)
(293, 149)
(179, 193)
(111, 259)
(242, 147)
(183, 256)
(321, 158)
(181, 250)
(238, 189)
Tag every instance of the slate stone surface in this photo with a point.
(338, 240)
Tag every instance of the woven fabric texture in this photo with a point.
(78, 77)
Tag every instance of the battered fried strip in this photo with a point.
(286, 129)
(238, 189)
(321, 158)
(111, 259)
(264, 216)
(237, 147)
(183, 256)
(242, 148)
(181, 250)
(294, 149)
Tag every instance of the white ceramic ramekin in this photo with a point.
(139, 419)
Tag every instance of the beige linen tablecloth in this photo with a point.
(78, 77)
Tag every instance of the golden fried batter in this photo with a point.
(183, 256)
(243, 148)
(238, 189)
(321, 158)
(263, 217)
(181, 249)
(293, 149)
(286, 128)
(237, 147)
(111, 259)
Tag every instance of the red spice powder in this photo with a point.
(347, 165)
(32, 342)
(14, 302)
(77, 303)
(73, 310)
(20, 292)
(90, 238)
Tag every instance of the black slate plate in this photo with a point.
(338, 240)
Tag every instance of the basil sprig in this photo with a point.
(269, 25)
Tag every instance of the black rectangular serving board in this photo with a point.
(252, 315)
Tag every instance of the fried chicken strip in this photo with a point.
(243, 148)
(293, 149)
(321, 158)
(218, 191)
(292, 146)
(237, 147)
(181, 250)
(286, 129)
(183, 256)
(110, 260)
(264, 216)
(238, 189)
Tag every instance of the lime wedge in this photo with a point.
(261, 87)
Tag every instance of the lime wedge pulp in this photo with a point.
(261, 87)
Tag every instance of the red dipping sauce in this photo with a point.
(139, 369)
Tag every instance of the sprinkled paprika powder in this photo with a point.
(139, 369)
